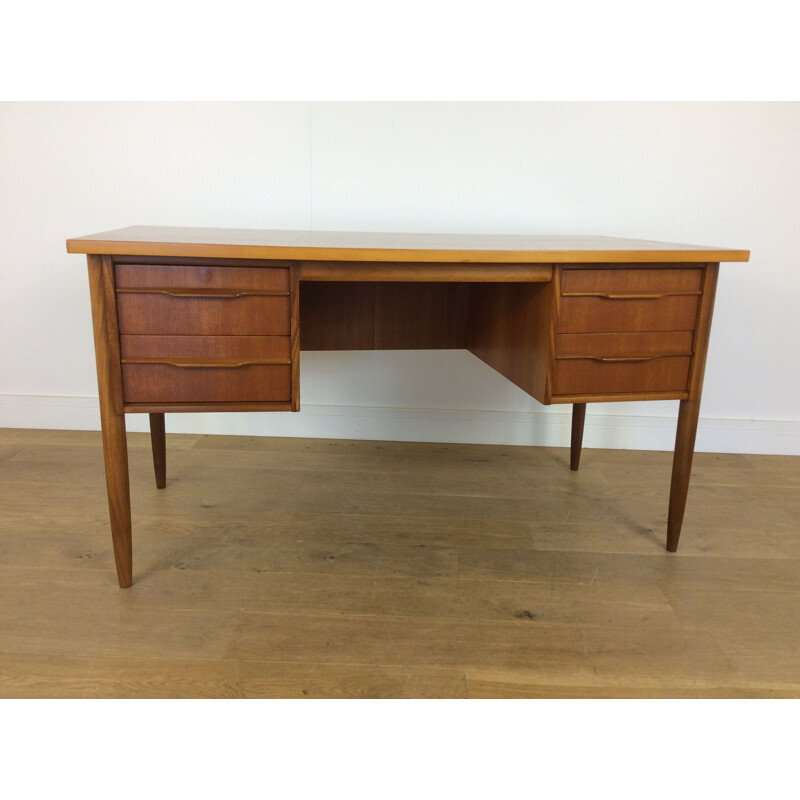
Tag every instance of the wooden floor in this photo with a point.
(321, 568)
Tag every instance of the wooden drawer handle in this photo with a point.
(628, 296)
(622, 359)
(208, 293)
(634, 296)
(217, 365)
(206, 363)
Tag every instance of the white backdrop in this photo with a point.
(725, 174)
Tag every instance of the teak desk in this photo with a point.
(194, 319)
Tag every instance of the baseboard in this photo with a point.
(548, 427)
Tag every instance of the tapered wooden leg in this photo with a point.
(158, 440)
(681, 469)
(689, 412)
(578, 418)
(115, 454)
(112, 417)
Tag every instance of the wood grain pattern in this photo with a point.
(206, 382)
(159, 444)
(408, 247)
(689, 413)
(620, 374)
(294, 337)
(576, 443)
(510, 329)
(323, 599)
(619, 315)
(383, 316)
(109, 383)
(195, 276)
(614, 397)
(204, 406)
(260, 348)
(438, 314)
(642, 343)
(645, 278)
(337, 316)
(416, 272)
(159, 314)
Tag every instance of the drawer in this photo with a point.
(154, 276)
(262, 348)
(206, 382)
(632, 281)
(644, 343)
(219, 313)
(617, 314)
(599, 375)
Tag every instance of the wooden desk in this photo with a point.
(193, 319)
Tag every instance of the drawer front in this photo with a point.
(632, 281)
(597, 314)
(262, 348)
(166, 383)
(646, 343)
(579, 376)
(217, 315)
(154, 276)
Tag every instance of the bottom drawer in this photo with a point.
(193, 383)
(599, 375)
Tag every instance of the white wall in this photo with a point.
(725, 174)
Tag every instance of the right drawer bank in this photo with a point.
(625, 331)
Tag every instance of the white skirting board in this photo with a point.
(548, 427)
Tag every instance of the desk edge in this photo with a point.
(267, 252)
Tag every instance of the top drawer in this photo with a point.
(631, 281)
(189, 300)
(629, 300)
(157, 276)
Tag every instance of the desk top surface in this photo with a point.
(143, 240)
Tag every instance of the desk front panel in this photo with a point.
(217, 332)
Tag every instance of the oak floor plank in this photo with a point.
(759, 630)
(161, 678)
(540, 464)
(42, 676)
(31, 437)
(8, 451)
(80, 613)
(406, 641)
(520, 684)
(308, 556)
(447, 598)
(789, 465)
(36, 675)
(265, 679)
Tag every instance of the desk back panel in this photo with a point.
(357, 315)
